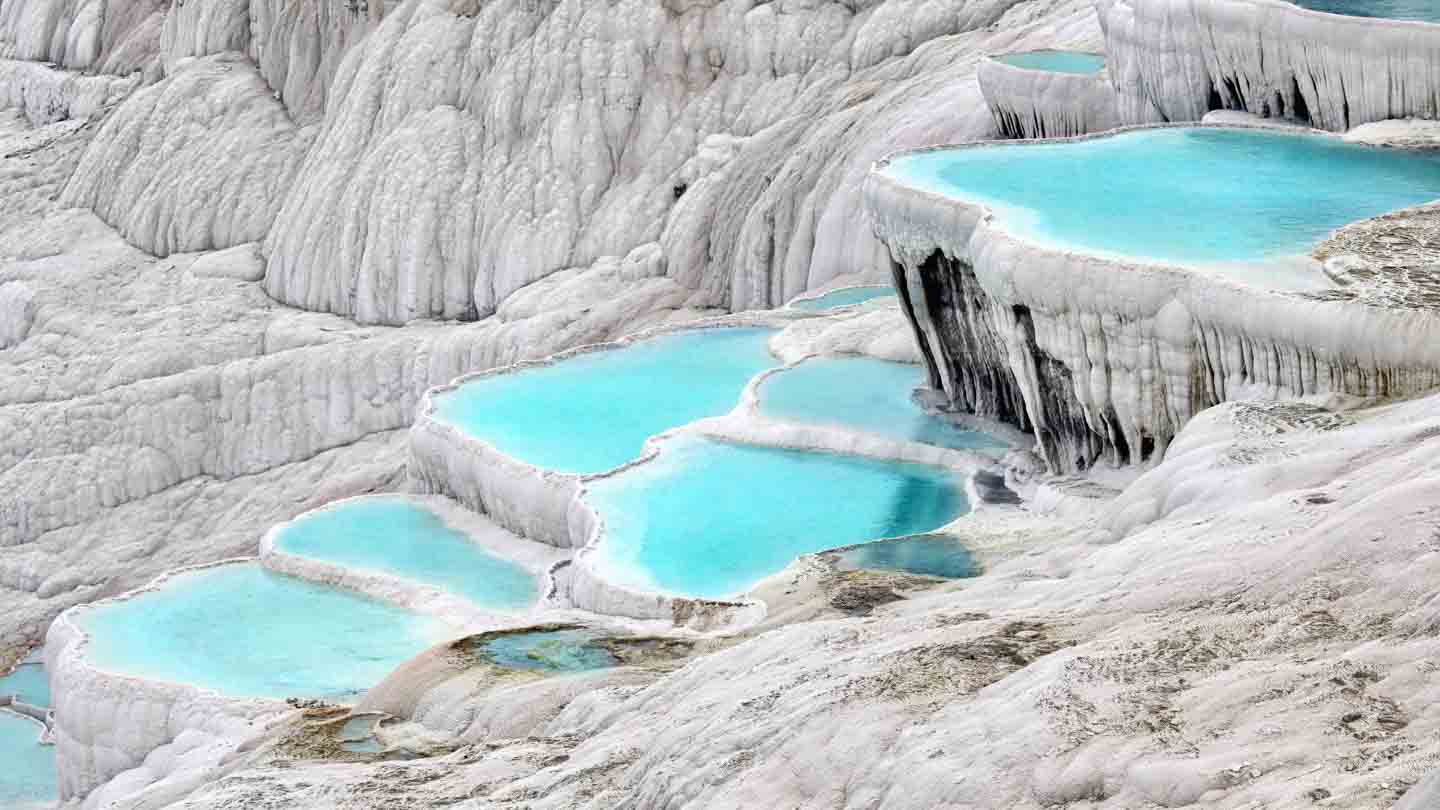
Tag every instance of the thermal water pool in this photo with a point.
(549, 650)
(1077, 62)
(395, 535)
(27, 768)
(28, 684)
(931, 555)
(865, 394)
(593, 412)
(844, 297)
(1422, 10)
(247, 632)
(711, 519)
(1189, 195)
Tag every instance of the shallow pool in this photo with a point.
(593, 412)
(864, 394)
(846, 297)
(1077, 62)
(1186, 195)
(931, 555)
(246, 632)
(27, 768)
(711, 519)
(549, 650)
(1423, 10)
(28, 683)
(397, 536)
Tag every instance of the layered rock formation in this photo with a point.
(1030, 103)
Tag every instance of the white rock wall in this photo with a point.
(1046, 104)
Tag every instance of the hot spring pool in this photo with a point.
(397, 536)
(1077, 62)
(1422, 10)
(246, 632)
(27, 768)
(549, 650)
(710, 519)
(28, 683)
(864, 394)
(593, 412)
(1189, 195)
(931, 555)
(846, 297)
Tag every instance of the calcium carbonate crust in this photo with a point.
(1105, 358)
(1029, 103)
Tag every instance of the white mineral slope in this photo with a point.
(1175, 60)
(1030, 103)
(1106, 359)
(1251, 624)
(46, 95)
(463, 156)
(118, 37)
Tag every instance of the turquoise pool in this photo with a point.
(593, 412)
(27, 768)
(27, 682)
(396, 536)
(847, 297)
(549, 650)
(931, 555)
(1077, 62)
(864, 394)
(246, 632)
(711, 519)
(1422, 10)
(1189, 195)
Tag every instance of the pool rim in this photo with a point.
(997, 59)
(813, 295)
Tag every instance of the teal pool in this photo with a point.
(396, 536)
(864, 394)
(931, 555)
(846, 297)
(710, 519)
(549, 650)
(28, 683)
(1189, 195)
(246, 632)
(27, 768)
(1077, 62)
(593, 412)
(1422, 10)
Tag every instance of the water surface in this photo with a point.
(549, 650)
(1200, 196)
(711, 519)
(593, 412)
(1422, 10)
(27, 768)
(931, 555)
(397, 536)
(846, 297)
(28, 683)
(1076, 62)
(247, 632)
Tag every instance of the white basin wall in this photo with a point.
(1175, 60)
(1030, 103)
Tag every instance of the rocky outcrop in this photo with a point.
(1046, 104)
(1175, 60)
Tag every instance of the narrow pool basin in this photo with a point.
(864, 394)
(1238, 200)
(549, 651)
(844, 297)
(710, 519)
(931, 555)
(1079, 63)
(27, 768)
(28, 684)
(1419, 10)
(593, 412)
(246, 632)
(396, 536)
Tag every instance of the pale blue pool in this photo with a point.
(28, 683)
(397, 536)
(1077, 62)
(864, 394)
(711, 519)
(27, 768)
(1422, 10)
(593, 412)
(1189, 195)
(931, 555)
(550, 650)
(846, 297)
(246, 632)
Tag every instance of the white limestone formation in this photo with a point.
(117, 37)
(1175, 60)
(1030, 103)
